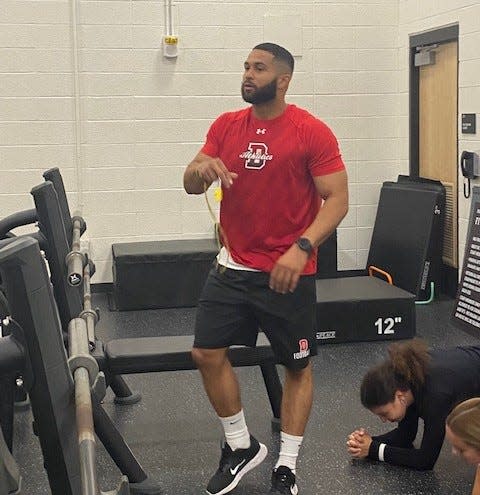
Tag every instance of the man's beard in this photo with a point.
(261, 95)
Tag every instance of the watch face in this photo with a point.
(304, 244)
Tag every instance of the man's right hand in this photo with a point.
(211, 169)
(204, 170)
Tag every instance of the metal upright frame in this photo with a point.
(46, 375)
(69, 302)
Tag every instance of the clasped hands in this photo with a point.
(358, 443)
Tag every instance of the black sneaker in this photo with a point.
(283, 481)
(234, 464)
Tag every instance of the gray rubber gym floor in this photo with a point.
(175, 436)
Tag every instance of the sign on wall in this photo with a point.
(466, 313)
(469, 123)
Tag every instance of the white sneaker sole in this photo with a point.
(258, 459)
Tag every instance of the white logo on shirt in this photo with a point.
(261, 131)
(256, 156)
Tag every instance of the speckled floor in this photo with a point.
(175, 435)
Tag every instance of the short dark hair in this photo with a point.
(278, 52)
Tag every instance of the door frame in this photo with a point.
(440, 35)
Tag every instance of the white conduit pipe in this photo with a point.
(78, 121)
(168, 18)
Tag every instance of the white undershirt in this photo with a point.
(224, 259)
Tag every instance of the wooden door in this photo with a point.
(438, 107)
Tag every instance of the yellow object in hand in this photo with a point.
(218, 194)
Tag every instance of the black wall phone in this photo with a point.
(470, 166)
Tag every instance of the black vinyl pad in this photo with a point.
(170, 353)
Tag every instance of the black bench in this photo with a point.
(173, 353)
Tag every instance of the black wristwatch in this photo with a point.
(305, 245)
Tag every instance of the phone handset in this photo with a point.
(469, 165)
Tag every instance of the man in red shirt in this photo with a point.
(284, 192)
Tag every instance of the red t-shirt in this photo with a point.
(274, 199)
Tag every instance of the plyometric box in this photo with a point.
(160, 274)
(408, 234)
(171, 274)
(352, 309)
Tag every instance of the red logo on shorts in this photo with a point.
(303, 344)
(304, 350)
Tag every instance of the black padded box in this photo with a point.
(408, 235)
(161, 274)
(352, 309)
(171, 274)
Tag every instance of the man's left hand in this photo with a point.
(287, 270)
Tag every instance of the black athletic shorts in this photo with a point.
(235, 304)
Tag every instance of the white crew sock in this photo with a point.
(236, 431)
(289, 447)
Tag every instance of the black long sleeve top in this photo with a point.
(453, 376)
